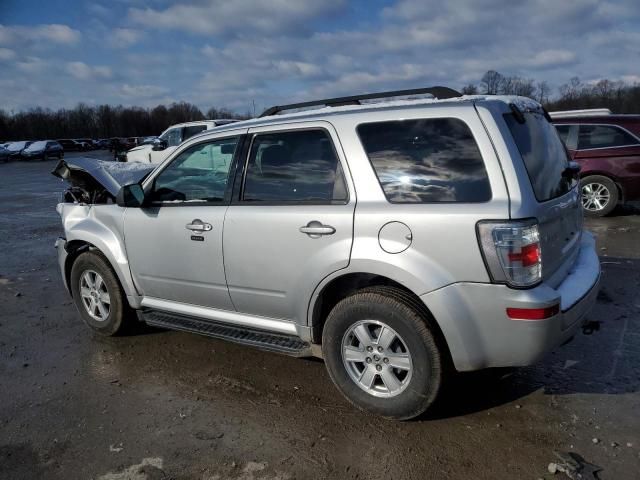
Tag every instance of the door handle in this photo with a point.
(315, 229)
(198, 225)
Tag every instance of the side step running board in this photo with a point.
(272, 342)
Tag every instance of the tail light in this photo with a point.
(512, 251)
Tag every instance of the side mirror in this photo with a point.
(159, 144)
(130, 196)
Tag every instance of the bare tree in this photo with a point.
(470, 89)
(491, 82)
(542, 89)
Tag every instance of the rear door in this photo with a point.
(290, 223)
(556, 195)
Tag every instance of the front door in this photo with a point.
(175, 244)
(291, 223)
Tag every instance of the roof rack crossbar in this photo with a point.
(438, 92)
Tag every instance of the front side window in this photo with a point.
(198, 174)
(604, 136)
(294, 167)
(426, 161)
(173, 137)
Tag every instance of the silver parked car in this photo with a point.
(399, 241)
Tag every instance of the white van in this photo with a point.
(170, 139)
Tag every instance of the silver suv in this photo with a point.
(399, 241)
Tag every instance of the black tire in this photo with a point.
(410, 320)
(607, 183)
(45, 157)
(119, 311)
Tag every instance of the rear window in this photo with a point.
(604, 136)
(426, 161)
(545, 156)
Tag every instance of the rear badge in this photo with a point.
(197, 238)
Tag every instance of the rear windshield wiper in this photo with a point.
(572, 170)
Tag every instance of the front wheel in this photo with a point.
(98, 295)
(599, 195)
(381, 353)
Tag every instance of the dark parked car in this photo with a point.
(4, 154)
(102, 144)
(87, 143)
(607, 148)
(16, 148)
(72, 145)
(43, 150)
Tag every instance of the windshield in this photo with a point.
(16, 146)
(545, 156)
(36, 146)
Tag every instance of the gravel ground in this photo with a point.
(168, 405)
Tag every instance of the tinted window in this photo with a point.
(545, 156)
(294, 167)
(200, 173)
(429, 160)
(191, 131)
(603, 136)
(563, 131)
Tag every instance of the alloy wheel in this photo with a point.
(376, 358)
(595, 196)
(95, 296)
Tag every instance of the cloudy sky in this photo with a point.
(228, 53)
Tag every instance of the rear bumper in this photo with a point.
(479, 334)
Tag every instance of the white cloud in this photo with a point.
(82, 71)
(142, 91)
(124, 37)
(213, 17)
(54, 33)
(31, 65)
(552, 58)
(7, 54)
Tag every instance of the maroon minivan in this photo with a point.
(607, 147)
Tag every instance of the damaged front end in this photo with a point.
(90, 216)
(94, 182)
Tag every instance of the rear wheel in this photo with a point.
(98, 295)
(381, 353)
(599, 195)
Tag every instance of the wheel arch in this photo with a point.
(344, 285)
(77, 247)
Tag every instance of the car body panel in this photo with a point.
(274, 274)
(257, 236)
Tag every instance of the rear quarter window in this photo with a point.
(426, 161)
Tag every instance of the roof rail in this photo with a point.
(588, 112)
(437, 92)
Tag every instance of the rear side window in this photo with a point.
(545, 156)
(604, 136)
(426, 161)
(294, 167)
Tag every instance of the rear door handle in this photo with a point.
(198, 225)
(315, 229)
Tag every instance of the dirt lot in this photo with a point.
(167, 405)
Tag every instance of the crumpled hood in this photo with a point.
(110, 175)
